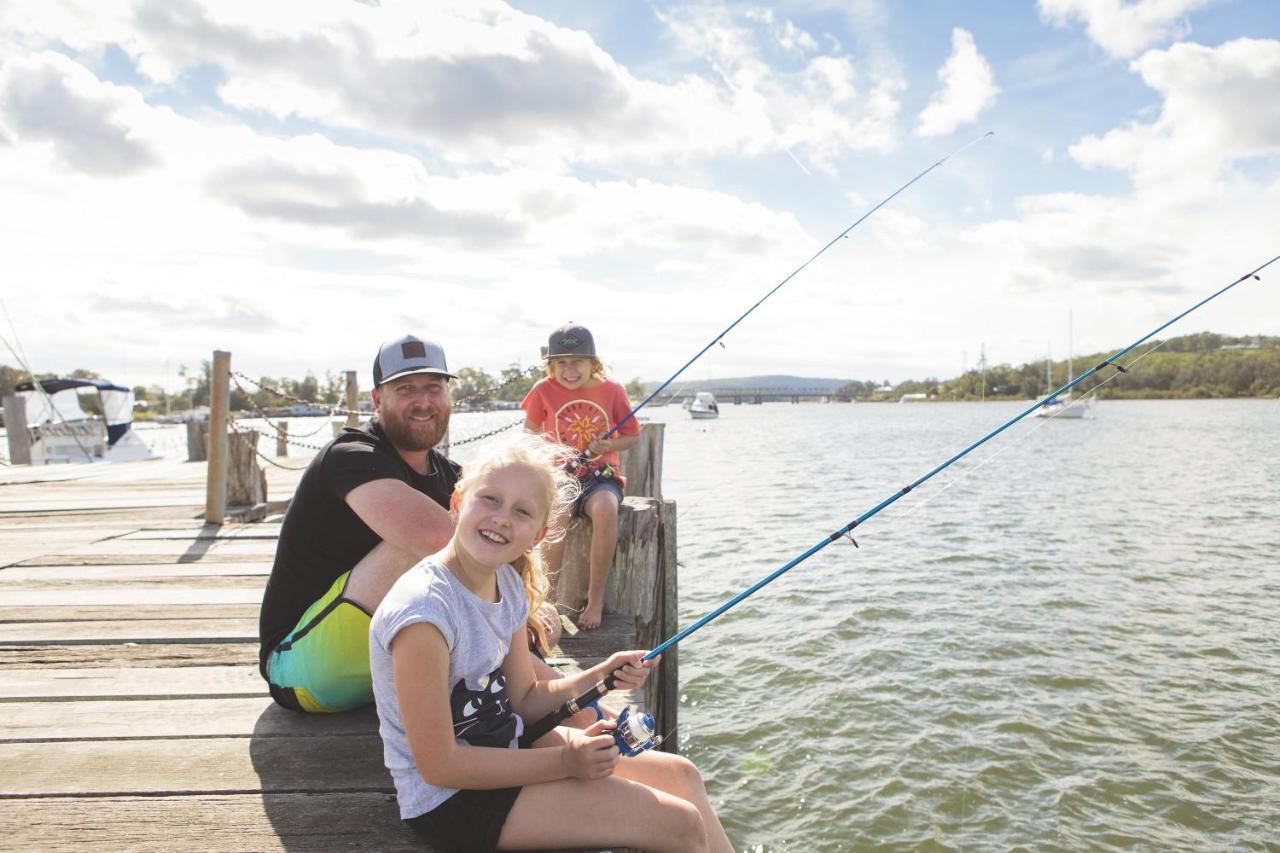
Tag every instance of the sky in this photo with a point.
(297, 182)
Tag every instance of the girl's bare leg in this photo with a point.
(612, 811)
(677, 776)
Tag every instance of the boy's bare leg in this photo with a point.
(372, 578)
(602, 509)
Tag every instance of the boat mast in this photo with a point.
(1070, 370)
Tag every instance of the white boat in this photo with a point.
(61, 431)
(704, 406)
(1062, 405)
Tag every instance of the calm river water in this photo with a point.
(1071, 642)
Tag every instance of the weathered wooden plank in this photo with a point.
(192, 574)
(135, 559)
(73, 599)
(195, 766)
(262, 530)
(130, 683)
(139, 631)
(255, 716)
(129, 655)
(240, 607)
(320, 822)
(177, 548)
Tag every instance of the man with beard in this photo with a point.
(371, 504)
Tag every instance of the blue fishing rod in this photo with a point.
(602, 687)
(793, 274)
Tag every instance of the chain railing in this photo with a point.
(295, 441)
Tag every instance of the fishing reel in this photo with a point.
(634, 735)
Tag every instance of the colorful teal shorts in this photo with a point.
(322, 665)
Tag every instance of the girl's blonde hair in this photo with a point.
(561, 490)
(597, 366)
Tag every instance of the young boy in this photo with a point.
(575, 405)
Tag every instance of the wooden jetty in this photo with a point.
(134, 715)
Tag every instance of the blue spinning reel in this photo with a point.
(635, 734)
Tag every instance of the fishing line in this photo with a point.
(547, 723)
(793, 274)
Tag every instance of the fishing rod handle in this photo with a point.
(567, 710)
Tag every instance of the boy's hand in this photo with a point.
(629, 669)
(591, 754)
(600, 446)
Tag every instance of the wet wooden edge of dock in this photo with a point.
(135, 717)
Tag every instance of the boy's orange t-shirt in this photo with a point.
(576, 418)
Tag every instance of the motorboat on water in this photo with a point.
(61, 431)
(703, 406)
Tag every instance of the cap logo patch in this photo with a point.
(570, 341)
(413, 349)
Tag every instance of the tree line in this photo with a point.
(1191, 366)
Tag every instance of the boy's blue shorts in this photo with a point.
(590, 487)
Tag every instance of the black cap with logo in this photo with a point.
(571, 340)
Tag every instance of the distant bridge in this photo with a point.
(738, 396)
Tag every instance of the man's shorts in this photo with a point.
(590, 486)
(322, 665)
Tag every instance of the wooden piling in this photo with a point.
(15, 422)
(215, 506)
(353, 399)
(197, 441)
(282, 438)
(246, 483)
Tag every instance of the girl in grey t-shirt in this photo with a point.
(453, 683)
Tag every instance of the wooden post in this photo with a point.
(641, 586)
(215, 506)
(282, 438)
(353, 399)
(246, 481)
(15, 423)
(197, 441)
(642, 464)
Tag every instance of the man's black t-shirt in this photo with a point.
(322, 537)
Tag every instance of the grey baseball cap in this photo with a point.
(571, 340)
(406, 356)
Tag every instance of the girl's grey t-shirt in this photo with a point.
(478, 634)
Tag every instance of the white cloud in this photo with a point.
(967, 88)
(1123, 29)
(818, 111)
(47, 98)
(482, 83)
(1219, 106)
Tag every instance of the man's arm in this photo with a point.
(402, 516)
